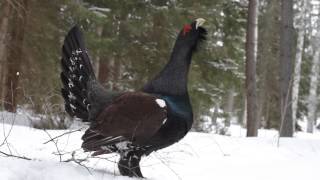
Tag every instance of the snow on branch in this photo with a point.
(99, 11)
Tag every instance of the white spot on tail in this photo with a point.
(71, 96)
(78, 51)
(161, 103)
(72, 62)
(72, 106)
(70, 84)
(71, 68)
(164, 121)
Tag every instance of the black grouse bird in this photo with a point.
(132, 124)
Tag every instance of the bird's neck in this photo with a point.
(173, 78)
(179, 106)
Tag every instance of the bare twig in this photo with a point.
(56, 145)
(165, 163)
(219, 147)
(15, 156)
(5, 140)
(78, 161)
(107, 159)
(6, 136)
(69, 132)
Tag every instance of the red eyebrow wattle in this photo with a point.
(186, 28)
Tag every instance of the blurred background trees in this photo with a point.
(130, 41)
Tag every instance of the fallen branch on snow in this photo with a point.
(15, 156)
(63, 134)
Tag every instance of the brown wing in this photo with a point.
(134, 117)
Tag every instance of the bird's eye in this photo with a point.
(186, 29)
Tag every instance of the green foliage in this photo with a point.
(136, 38)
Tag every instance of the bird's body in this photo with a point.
(132, 124)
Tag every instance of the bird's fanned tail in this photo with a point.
(78, 77)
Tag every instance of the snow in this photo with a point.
(197, 156)
(15, 118)
(99, 9)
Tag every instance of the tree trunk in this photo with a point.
(215, 114)
(96, 63)
(244, 114)
(229, 107)
(297, 68)
(312, 99)
(314, 73)
(286, 62)
(251, 56)
(4, 27)
(116, 74)
(14, 55)
(104, 70)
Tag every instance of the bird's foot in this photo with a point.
(129, 166)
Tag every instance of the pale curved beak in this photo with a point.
(199, 22)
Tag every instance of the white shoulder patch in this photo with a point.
(161, 103)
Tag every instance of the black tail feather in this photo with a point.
(84, 96)
(76, 73)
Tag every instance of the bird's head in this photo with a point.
(192, 34)
(172, 79)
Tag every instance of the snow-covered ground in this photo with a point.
(197, 156)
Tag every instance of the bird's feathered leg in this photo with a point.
(129, 164)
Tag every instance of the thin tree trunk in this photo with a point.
(297, 68)
(244, 114)
(215, 114)
(103, 67)
(14, 56)
(314, 73)
(229, 107)
(251, 56)
(96, 63)
(116, 74)
(4, 27)
(267, 117)
(104, 71)
(312, 99)
(4, 22)
(286, 63)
